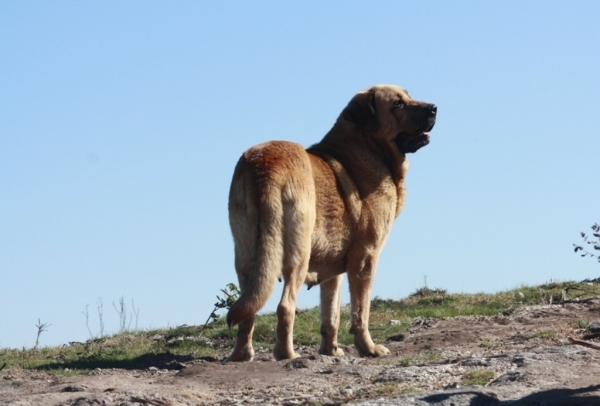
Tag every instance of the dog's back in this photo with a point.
(271, 214)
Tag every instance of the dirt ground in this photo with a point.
(528, 353)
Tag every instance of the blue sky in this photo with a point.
(121, 123)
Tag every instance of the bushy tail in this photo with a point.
(256, 224)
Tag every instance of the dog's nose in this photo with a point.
(433, 109)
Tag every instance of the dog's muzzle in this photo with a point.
(410, 143)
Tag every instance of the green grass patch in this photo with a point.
(477, 378)
(163, 347)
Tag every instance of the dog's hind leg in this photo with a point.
(243, 350)
(299, 217)
(331, 291)
(252, 259)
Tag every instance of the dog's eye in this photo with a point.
(399, 104)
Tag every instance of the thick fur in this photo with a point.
(310, 215)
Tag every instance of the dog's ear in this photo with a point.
(361, 110)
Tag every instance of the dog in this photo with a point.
(311, 215)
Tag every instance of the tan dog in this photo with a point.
(312, 214)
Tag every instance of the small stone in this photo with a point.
(297, 364)
(519, 361)
(74, 388)
(394, 323)
(472, 362)
(397, 337)
(594, 327)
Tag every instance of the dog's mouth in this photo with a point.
(411, 142)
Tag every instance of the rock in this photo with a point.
(509, 378)
(453, 397)
(397, 337)
(472, 362)
(594, 327)
(519, 361)
(362, 371)
(73, 388)
(343, 360)
(297, 363)
(86, 402)
(394, 323)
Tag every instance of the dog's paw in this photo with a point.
(338, 352)
(283, 354)
(334, 352)
(380, 351)
(373, 350)
(240, 356)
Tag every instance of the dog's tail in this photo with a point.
(256, 219)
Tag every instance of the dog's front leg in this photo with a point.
(331, 290)
(360, 278)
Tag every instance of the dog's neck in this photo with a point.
(345, 134)
(363, 158)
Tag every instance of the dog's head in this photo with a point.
(388, 114)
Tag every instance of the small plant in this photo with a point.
(594, 243)
(41, 328)
(122, 312)
(582, 324)
(125, 319)
(405, 362)
(232, 293)
(388, 388)
(479, 378)
(544, 334)
(491, 344)
(100, 306)
(425, 291)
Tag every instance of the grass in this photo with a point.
(583, 324)
(163, 348)
(388, 389)
(479, 378)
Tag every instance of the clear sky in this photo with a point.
(121, 123)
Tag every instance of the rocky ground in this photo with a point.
(524, 358)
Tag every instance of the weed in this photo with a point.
(479, 378)
(582, 324)
(543, 334)
(41, 328)
(490, 344)
(407, 390)
(388, 389)
(232, 293)
(404, 362)
(594, 243)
